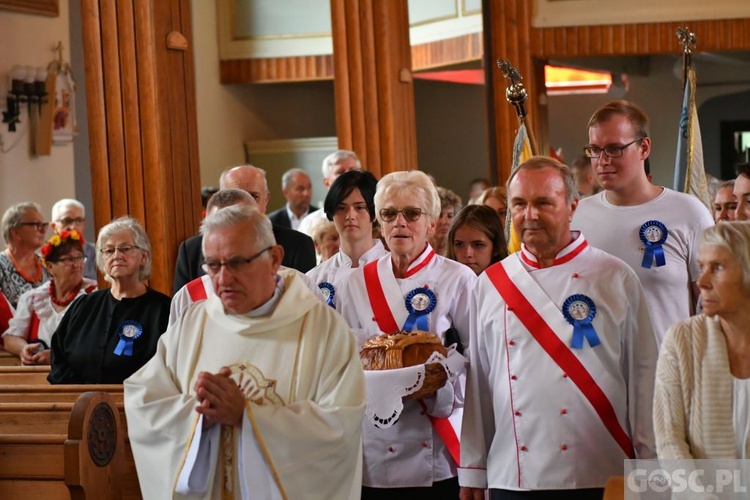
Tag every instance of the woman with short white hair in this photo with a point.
(410, 288)
(702, 390)
(108, 335)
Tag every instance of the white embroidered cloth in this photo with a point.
(386, 388)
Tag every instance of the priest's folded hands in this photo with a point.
(220, 399)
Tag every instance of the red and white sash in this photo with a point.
(526, 308)
(389, 312)
(197, 288)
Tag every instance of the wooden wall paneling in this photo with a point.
(130, 113)
(512, 37)
(491, 76)
(142, 116)
(342, 86)
(193, 210)
(373, 87)
(381, 71)
(113, 102)
(367, 126)
(96, 113)
(154, 136)
(456, 50)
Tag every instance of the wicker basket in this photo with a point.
(399, 350)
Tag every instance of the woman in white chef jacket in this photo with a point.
(410, 288)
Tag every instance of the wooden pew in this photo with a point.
(24, 375)
(8, 359)
(44, 442)
(14, 393)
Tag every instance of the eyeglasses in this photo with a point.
(71, 261)
(410, 214)
(233, 265)
(109, 252)
(70, 222)
(610, 151)
(40, 226)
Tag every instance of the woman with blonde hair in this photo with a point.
(702, 390)
(497, 199)
(21, 269)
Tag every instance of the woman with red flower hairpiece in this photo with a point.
(40, 310)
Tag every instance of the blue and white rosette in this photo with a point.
(653, 234)
(420, 302)
(328, 292)
(129, 330)
(579, 310)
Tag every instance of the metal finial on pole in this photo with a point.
(688, 41)
(517, 95)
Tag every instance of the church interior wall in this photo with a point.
(28, 40)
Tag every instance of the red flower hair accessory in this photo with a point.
(58, 239)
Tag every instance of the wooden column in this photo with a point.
(142, 121)
(373, 84)
(506, 29)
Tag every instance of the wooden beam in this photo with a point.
(374, 91)
(142, 116)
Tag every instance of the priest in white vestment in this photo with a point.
(560, 387)
(255, 392)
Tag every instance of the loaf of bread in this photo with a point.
(400, 350)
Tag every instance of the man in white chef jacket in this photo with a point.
(255, 392)
(562, 355)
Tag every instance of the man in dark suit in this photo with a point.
(299, 251)
(297, 189)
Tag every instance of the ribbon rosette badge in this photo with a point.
(420, 302)
(128, 331)
(579, 310)
(653, 234)
(328, 292)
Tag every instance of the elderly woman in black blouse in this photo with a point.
(108, 335)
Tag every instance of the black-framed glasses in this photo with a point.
(71, 261)
(411, 214)
(40, 226)
(610, 151)
(70, 222)
(233, 265)
(109, 252)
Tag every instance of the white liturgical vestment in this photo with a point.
(201, 288)
(299, 369)
(528, 423)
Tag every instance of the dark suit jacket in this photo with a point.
(299, 253)
(280, 217)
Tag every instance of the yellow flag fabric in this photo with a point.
(521, 153)
(689, 172)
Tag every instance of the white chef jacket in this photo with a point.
(527, 426)
(410, 453)
(336, 269)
